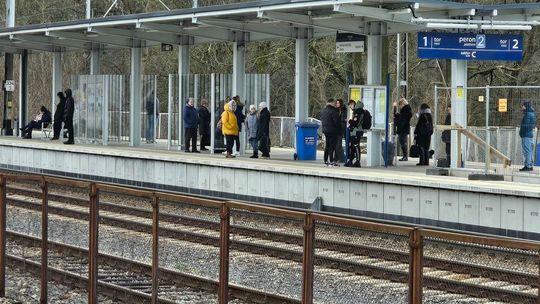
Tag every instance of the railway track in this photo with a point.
(375, 261)
(122, 279)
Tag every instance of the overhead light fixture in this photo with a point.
(508, 27)
(450, 26)
(91, 35)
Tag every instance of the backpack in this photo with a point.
(366, 122)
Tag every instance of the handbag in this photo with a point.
(414, 151)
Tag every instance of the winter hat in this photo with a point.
(262, 105)
(232, 105)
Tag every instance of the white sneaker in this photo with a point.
(236, 153)
(224, 153)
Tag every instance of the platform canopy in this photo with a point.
(263, 20)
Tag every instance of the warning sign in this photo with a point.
(503, 105)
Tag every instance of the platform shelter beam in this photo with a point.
(239, 74)
(183, 90)
(302, 77)
(56, 77)
(135, 92)
(374, 77)
(459, 108)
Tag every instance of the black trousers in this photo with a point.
(57, 127)
(237, 142)
(191, 136)
(264, 146)
(403, 144)
(205, 140)
(330, 148)
(340, 154)
(69, 127)
(424, 154)
(229, 141)
(354, 148)
(448, 152)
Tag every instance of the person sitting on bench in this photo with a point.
(44, 117)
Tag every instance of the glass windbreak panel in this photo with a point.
(222, 94)
(149, 109)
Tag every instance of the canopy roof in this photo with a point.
(263, 20)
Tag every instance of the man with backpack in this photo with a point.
(360, 121)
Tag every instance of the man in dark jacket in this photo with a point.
(423, 132)
(402, 119)
(240, 118)
(331, 126)
(263, 130)
(355, 133)
(44, 117)
(191, 121)
(204, 124)
(69, 109)
(59, 115)
(528, 122)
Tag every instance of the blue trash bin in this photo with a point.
(537, 161)
(306, 141)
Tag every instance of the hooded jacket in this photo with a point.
(357, 119)
(251, 125)
(70, 106)
(528, 122)
(331, 120)
(403, 120)
(229, 125)
(263, 124)
(204, 120)
(60, 108)
(424, 128)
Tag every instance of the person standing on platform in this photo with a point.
(229, 127)
(446, 134)
(204, 124)
(402, 120)
(240, 117)
(59, 115)
(528, 122)
(191, 121)
(423, 132)
(355, 133)
(152, 113)
(263, 130)
(342, 108)
(69, 110)
(251, 130)
(331, 125)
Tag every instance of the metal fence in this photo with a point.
(494, 115)
(406, 264)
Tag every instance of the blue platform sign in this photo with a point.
(468, 46)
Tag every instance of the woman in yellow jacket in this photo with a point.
(229, 126)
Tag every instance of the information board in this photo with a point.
(350, 43)
(470, 46)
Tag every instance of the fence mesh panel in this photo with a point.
(354, 265)
(465, 272)
(266, 252)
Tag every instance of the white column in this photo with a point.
(183, 71)
(56, 77)
(239, 77)
(302, 80)
(88, 9)
(459, 107)
(374, 77)
(95, 62)
(135, 92)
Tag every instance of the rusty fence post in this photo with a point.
(416, 264)
(93, 244)
(307, 259)
(224, 243)
(155, 248)
(44, 239)
(538, 291)
(2, 236)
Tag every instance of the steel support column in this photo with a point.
(23, 88)
(95, 62)
(301, 80)
(183, 90)
(56, 77)
(239, 75)
(459, 108)
(135, 92)
(374, 77)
